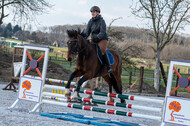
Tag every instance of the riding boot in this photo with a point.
(106, 61)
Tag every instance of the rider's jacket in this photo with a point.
(97, 27)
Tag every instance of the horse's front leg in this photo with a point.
(80, 82)
(67, 86)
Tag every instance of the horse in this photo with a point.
(88, 64)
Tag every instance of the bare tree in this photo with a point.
(165, 18)
(128, 50)
(22, 9)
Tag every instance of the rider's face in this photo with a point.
(94, 14)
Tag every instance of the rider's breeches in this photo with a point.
(103, 45)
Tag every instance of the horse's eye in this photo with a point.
(69, 42)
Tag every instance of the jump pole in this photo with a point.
(108, 111)
(60, 97)
(53, 80)
(117, 104)
(106, 94)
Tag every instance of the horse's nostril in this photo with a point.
(69, 59)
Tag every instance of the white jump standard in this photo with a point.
(38, 82)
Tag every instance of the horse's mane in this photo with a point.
(72, 32)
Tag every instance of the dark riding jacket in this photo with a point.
(97, 27)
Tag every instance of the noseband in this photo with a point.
(78, 49)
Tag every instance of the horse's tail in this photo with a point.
(114, 84)
(115, 78)
(119, 65)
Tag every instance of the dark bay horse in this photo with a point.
(88, 64)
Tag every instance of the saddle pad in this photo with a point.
(110, 57)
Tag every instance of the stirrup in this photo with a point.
(110, 70)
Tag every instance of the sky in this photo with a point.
(78, 12)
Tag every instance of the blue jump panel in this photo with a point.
(87, 120)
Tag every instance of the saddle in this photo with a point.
(99, 54)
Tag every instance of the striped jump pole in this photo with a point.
(56, 98)
(114, 95)
(53, 80)
(108, 103)
(117, 104)
(101, 110)
(106, 94)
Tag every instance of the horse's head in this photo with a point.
(74, 44)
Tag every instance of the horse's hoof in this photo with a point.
(74, 99)
(90, 96)
(97, 89)
(95, 104)
(75, 96)
(67, 93)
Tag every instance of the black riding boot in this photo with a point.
(105, 56)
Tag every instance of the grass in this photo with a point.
(14, 40)
(58, 48)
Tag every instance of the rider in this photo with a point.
(97, 28)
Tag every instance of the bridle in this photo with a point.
(77, 49)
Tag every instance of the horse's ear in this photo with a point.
(68, 32)
(75, 33)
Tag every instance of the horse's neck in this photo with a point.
(86, 49)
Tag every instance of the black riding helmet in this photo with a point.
(95, 8)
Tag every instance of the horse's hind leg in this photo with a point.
(96, 83)
(107, 79)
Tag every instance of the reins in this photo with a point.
(78, 49)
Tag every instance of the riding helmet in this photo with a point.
(95, 8)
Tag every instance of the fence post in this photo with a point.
(177, 82)
(141, 79)
(167, 69)
(174, 74)
(130, 77)
(163, 74)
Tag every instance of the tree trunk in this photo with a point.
(156, 71)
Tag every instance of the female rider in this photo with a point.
(97, 28)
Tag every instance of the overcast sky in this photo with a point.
(78, 12)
